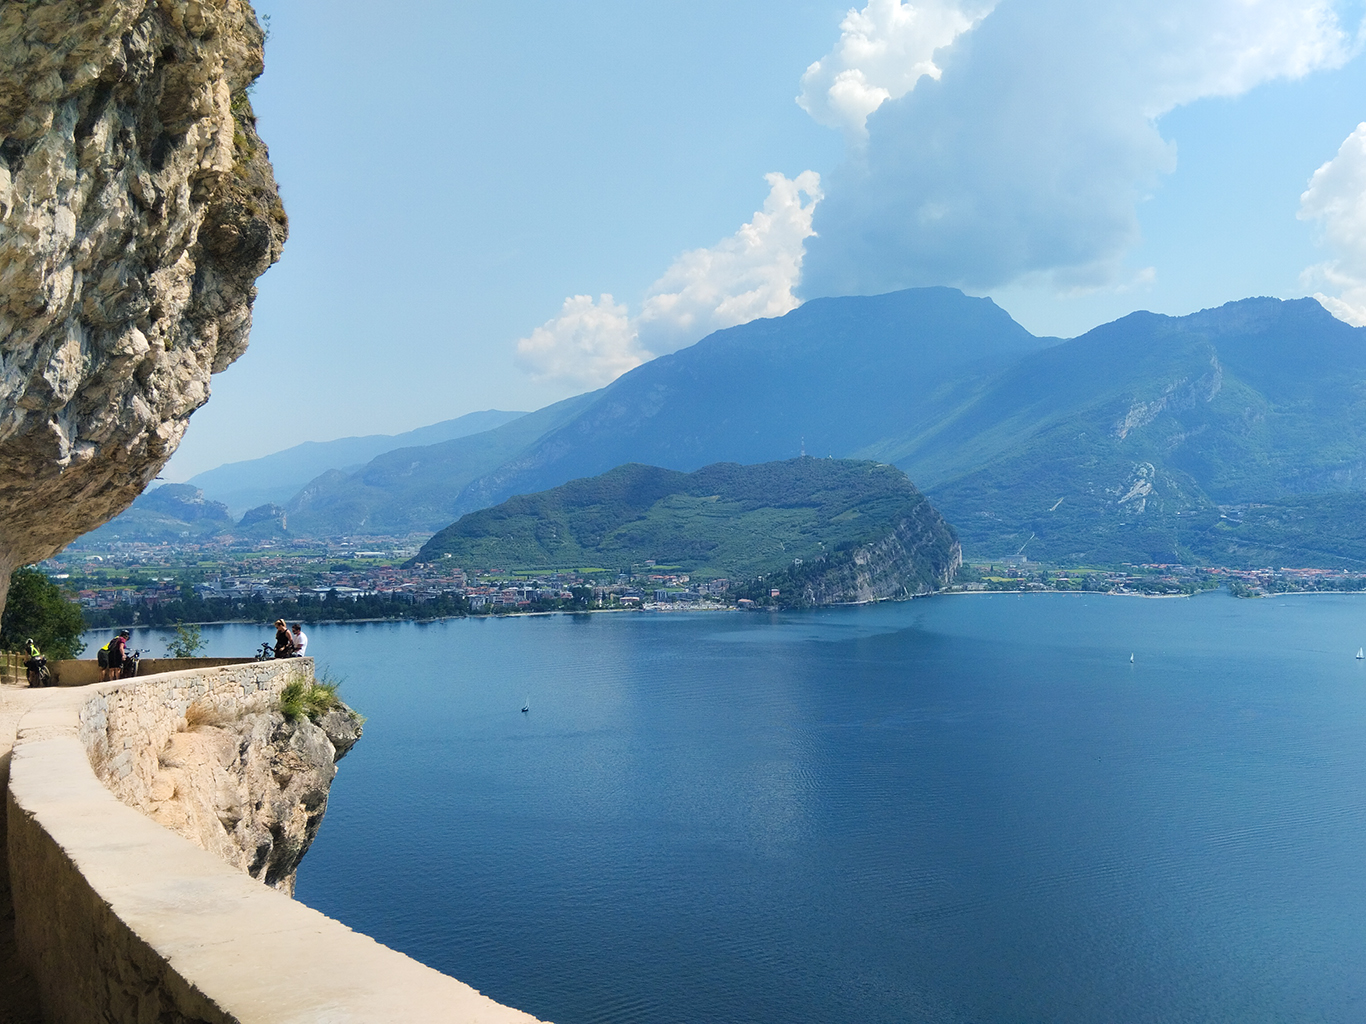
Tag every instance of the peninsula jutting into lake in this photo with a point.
(820, 531)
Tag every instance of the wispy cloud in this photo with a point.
(1027, 157)
(1336, 199)
(748, 275)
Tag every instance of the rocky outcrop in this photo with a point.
(137, 209)
(268, 520)
(919, 556)
(918, 553)
(251, 789)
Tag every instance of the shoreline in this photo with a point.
(1074, 593)
(679, 611)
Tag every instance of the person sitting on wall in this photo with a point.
(300, 638)
(284, 643)
(111, 656)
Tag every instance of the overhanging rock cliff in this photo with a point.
(250, 788)
(137, 209)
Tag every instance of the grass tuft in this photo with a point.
(312, 700)
(203, 712)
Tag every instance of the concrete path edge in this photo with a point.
(120, 920)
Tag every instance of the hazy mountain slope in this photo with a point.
(1323, 530)
(839, 375)
(173, 513)
(1099, 447)
(806, 520)
(278, 477)
(416, 489)
(1090, 450)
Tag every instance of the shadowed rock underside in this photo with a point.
(137, 209)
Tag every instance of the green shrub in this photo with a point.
(37, 608)
(187, 642)
(312, 700)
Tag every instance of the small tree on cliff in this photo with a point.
(187, 642)
(37, 608)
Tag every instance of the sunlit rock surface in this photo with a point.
(250, 788)
(137, 209)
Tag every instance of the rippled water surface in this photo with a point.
(965, 809)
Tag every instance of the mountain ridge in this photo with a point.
(278, 477)
(906, 329)
(1109, 447)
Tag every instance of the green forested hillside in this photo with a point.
(726, 520)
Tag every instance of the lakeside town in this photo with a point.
(156, 584)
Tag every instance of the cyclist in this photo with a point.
(36, 664)
(111, 656)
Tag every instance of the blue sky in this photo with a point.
(497, 206)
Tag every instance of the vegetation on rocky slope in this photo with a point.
(802, 518)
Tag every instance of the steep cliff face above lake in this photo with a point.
(251, 789)
(137, 209)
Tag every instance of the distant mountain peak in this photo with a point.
(1262, 313)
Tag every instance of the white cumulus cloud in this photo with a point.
(589, 342)
(1027, 157)
(748, 275)
(883, 50)
(1336, 199)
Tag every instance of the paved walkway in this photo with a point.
(18, 993)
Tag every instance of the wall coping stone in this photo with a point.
(85, 671)
(192, 938)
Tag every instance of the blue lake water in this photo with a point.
(962, 809)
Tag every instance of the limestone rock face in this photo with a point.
(137, 209)
(919, 556)
(253, 789)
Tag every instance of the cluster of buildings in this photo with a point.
(154, 576)
(1258, 582)
(647, 590)
(1160, 578)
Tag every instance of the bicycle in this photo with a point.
(131, 660)
(38, 672)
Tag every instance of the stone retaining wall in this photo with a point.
(120, 920)
(124, 728)
(84, 671)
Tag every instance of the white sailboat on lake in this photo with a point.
(1361, 653)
